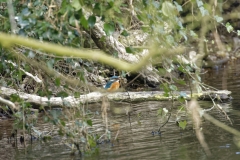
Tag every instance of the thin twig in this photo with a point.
(165, 122)
(132, 80)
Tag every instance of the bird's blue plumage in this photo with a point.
(108, 85)
(111, 81)
(114, 77)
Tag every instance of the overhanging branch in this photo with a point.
(61, 51)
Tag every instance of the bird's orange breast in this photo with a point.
(114, 86)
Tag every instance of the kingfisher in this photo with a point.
(113, 84)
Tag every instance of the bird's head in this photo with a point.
(112, 80)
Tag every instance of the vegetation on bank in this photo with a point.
(70, 47)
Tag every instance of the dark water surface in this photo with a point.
(134, 133)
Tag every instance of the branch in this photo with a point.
(93, 97)
(57, 50)
(27, 73)
(221, 125)
(194, 108)
(9, 103)
(11, 16)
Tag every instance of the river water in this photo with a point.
(132, 127)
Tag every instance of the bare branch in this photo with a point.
(27, 73)
(9, 103)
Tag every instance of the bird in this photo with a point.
(113, 84)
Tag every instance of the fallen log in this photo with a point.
(94, 97)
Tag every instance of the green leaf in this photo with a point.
(165, 88)
(199, 3)
(156, 4)
(189, 68)
(110, 4)
(182, 124)
(145, 2)
(50, 63)
(57, 82)
(193, 34)
(179, 81)
(179, 22)
(18, 75)
(116, 9)
(84, 22)
(81, 76)
(109, 29)
(89, 122)
(15, 98)
(166, 94)
(91, 21)
(229, 27)
(182, 69)
(129, 49)
(173, 87)
(98, 9)
(203, 11)
(92, 141)
(124, 33)
(18, 114)
(77, 94)
(179, 8)
(183, 34)
(63, 123)
(169, 9)
(62, 94)
(161, 71)
(26, 105)
(123, 74)
(76, 4)
(218, 19)
(63, 6)
(170, 39)
(26, 12)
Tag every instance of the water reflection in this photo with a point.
(137, 142)
(131, 127)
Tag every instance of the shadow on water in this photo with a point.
(131, 134)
